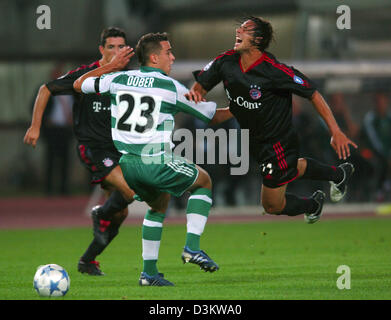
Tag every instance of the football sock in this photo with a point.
(296, 205)
(113, 204)
(197, 212)
(151, 234)
(319, 171)
(96, 248)
(113, 231)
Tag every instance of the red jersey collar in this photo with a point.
(257, 62)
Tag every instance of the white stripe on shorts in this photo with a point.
(182, 166)
(183, 170)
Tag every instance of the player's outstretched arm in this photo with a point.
(32, 134)
(117, 63)
(196, 93)
(339, 141)
(221, 115)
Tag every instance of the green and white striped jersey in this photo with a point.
(143, 105)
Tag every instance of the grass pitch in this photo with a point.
(267, 260)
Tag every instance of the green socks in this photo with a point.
(152, 234)
(197, 212)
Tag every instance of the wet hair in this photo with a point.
(111, 32)
(264, 29)
(148, 44)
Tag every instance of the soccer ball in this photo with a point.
(51, 280)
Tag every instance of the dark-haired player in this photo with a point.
(259, 89)
(144, 105)
(92, 127)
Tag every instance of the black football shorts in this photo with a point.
(278, 160)
(99, 162)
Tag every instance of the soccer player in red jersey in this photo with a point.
(259, 89)
(95, 148)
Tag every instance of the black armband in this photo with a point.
(96, 84)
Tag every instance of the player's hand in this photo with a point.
(31, 136)
(194, 96)
(340, 144)
(122, 58)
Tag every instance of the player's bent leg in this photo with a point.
(120, 216)
(116, 179)
(87, 263)
(109, 216)
(197, 212)
(115, 224)
(160, 204)
(301, 166)
(151, 236)
(277, 201)
(115, 210)
(115, 207)
(318, 197)
(315, 170)
(338, 190)
(107, 219)
(337, 176)
(203, 180)
(273, 199)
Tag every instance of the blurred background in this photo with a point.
(351, 67)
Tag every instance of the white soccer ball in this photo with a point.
(51, 280)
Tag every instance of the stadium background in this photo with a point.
(350, 67)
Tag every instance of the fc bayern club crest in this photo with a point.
(255, 92)
(108, 162)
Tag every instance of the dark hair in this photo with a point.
(263, 29)
(111, 32)
(148, 44)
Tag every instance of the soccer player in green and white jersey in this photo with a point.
(144, 103)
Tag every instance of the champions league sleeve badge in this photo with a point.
(298, 80)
